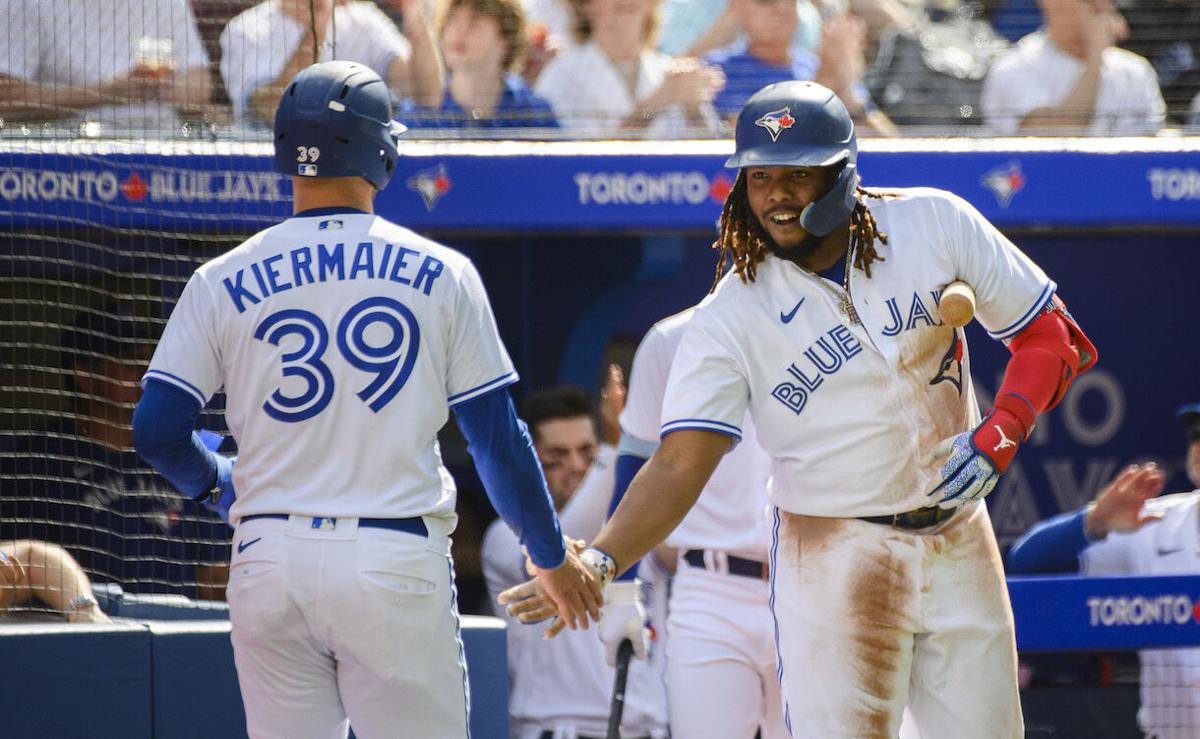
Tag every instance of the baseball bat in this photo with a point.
(624, 653)
(957, 304)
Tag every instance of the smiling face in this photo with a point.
(777, 195)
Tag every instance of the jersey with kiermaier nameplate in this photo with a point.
(342, 341)
(730, 514)
(858, 417)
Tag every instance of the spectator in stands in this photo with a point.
(35, 570)
(767, 57)
(614, 83)
(263, 48)
(563, 687)
(1167, 33)
(134, 69)
(697, 27)
(81, 484)
(1128, 530)
(1069, 77)
(483, 43)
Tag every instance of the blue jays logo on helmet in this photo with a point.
(820, 133)
(776, 122)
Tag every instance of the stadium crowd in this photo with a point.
(604, 68)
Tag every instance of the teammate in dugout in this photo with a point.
(342, 342)
(1129, 530)
(886, 582)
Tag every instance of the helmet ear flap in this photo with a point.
(832, 209)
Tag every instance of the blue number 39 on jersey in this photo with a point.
(390, 361)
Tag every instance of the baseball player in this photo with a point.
(563, 689)
(1127, 530)
(886, 582)
(722, 647)
(342, 342)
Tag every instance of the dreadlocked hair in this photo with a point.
(743, 242)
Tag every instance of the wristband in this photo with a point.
(600, 563)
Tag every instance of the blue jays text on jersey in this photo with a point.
(320, 263)
(824, 357)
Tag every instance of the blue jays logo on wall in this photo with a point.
(1005, 181)
(776, 122)
(431, 184)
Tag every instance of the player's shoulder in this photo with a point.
(1124, 60)
(672, 325)
(888, 202)
(393, 233)
(1175, 504)
(1020, 56)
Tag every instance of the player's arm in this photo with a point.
(163, 435)
(1047, 355)
(500, 444)
(1056, 544)
(660, 495)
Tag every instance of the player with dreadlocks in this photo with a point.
(886, 581)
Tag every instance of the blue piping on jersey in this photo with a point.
(703, 424)
(1014, 328)
(488, 386)
(179, 382)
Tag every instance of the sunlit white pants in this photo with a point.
(871, 617)
(345, 624)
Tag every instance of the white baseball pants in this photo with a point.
(346, 625)
(721, 671)
(871, 617)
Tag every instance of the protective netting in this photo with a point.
(204, 69)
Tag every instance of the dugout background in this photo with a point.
(577, 272)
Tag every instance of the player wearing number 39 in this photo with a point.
(886, 582)
(342, 341)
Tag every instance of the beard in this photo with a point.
(797, 253)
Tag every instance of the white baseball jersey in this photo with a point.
(1036, 74)
(730, 515)
(352, 330)
(858, 418)
(564, 685)
(84, 42)
(256, 45)
(598, 107)
(1170, 682)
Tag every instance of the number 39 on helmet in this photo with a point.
(335, 120)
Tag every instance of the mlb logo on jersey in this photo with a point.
(307, 170)
(776, 122)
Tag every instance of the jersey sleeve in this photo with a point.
(187, 355)
(707, 389)
(478, 362)
(1010, 289)
(642, 415)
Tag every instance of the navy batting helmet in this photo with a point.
(801, 124)
(335, 120)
